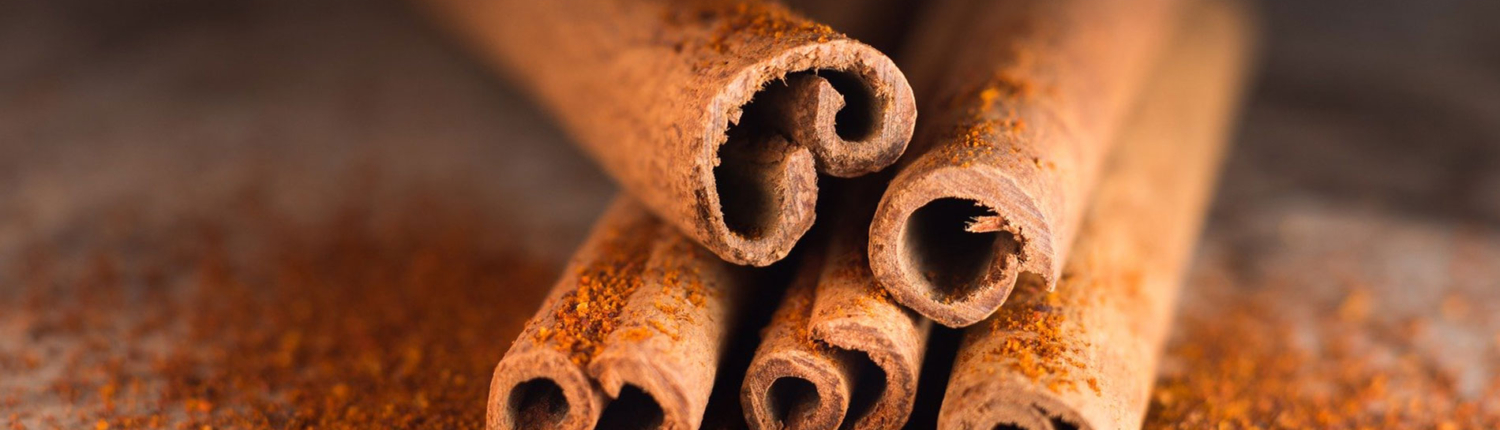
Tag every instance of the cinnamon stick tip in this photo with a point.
(837, 107)
(1004, 403)
(762, 201)
(540, 389)
(952, 243)
(637, 383)
(795, 390)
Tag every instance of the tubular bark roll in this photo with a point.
(1026, 95)
(1084, 356)
(839, 353)
(638, 321)
(716, 114)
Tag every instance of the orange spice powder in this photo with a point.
(375, 316)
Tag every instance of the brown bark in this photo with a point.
(1084, 355)
(1023, 97)
(639, 320)
(716, 114)
(839, 353)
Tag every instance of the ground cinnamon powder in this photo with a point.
(381, 314)
(1252, 365)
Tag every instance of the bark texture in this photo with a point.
(839, 353)
(631, 336)
(1084, 355)
(1022, 98)
(717, 115)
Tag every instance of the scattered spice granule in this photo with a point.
(587, 315)
(636, 334)
(381, 313)
(730, 24)
(1253, 366)
(758, 19)
(1039, 343)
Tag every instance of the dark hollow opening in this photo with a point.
(748, 172)
(538, 404)
(952, 260)
(791, 398)
(857, 120)
(634, 409)
(868, 389)
(750, 161)
(750, 167)
(1057, 424)
(1060, 424)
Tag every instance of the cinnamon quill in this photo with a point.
(1021, 99)
(839, 353)
(1084, 356)
(717, 115)
(631, 335)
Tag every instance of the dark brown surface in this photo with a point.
(1083, 355)
(717, 115)
(1367, 158)
(631, 336)
(1020, 102)
(839, 353)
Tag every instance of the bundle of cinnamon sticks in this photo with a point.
(1045, 203)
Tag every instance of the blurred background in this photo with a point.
(284, 214)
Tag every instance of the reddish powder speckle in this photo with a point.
(388, 315)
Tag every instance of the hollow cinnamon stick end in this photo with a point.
(660, 401)
(762, 201)
(951, 243)
(541, 389)
(895, 347)
(875, 116)
(795, 389)
(832, 106)
(997, 405)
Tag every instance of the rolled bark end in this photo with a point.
(794, 382)
(836, 107)
(1023, 409)
(634, 409)
(644, 398)
(944, 246)
(887, 370)
(855, 354)
(541, 390)
(652, 90)
(837, 116)
(767, 191)
(797, 390)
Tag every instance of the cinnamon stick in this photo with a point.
(630, 336)
(716, 114)
(1084, 355)
(1025, 97)
(839, 353)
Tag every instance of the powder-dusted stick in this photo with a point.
(716, 114)
(1084, 356)
(1021, 99)
(639, 319)
(839, 336)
